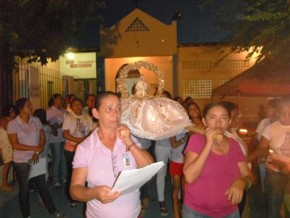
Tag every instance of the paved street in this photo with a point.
(9, 207)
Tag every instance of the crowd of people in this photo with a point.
(86, 146)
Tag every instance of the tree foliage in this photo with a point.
(257, 26)
(38, 29)
(42, 28)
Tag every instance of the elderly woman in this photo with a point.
(99, 159)
(27, 138)
(215, 170)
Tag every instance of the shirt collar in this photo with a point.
(57, 109)
(20, 121)
(98, 143)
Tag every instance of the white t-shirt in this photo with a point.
(236, 137)
(78, 126)
(85, 110)
(261, 127)
(233, 135)
(279, 141)
(177, 153)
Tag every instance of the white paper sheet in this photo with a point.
(130, 180)
(38, 168)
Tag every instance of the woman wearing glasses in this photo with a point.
(99, 159)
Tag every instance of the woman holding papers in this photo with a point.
(100, 158)
(27, 138)
(215, 170)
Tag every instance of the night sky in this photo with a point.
(195, 26)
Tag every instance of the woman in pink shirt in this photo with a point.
(215, 170)
(99, 159)
(27, 138)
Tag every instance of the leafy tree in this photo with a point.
(38, 29)
(257, 26)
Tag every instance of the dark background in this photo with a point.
(197, 24)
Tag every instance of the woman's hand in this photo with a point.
(54, 129)
(80, 139)
(209, 135)
(105, 194)
(123, 132)
(35, 158)
(236, 191)
(283, 167)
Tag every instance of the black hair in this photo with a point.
(41, 114)
(19, 104)
(7, 110)
(230, 106)
(76, 99)
(89, 95)
(177, 97)
(188, 98)
(70, 96)
(102, 95)
(282, 102)
(167, 94)
(214, 104)
(53, 97)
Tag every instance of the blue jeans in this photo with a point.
(58, 162)
(22, 171)
(275, 184)
(262, 172)
(189, 213)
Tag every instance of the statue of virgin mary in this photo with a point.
(150, 117)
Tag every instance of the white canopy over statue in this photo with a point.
(150, 117)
